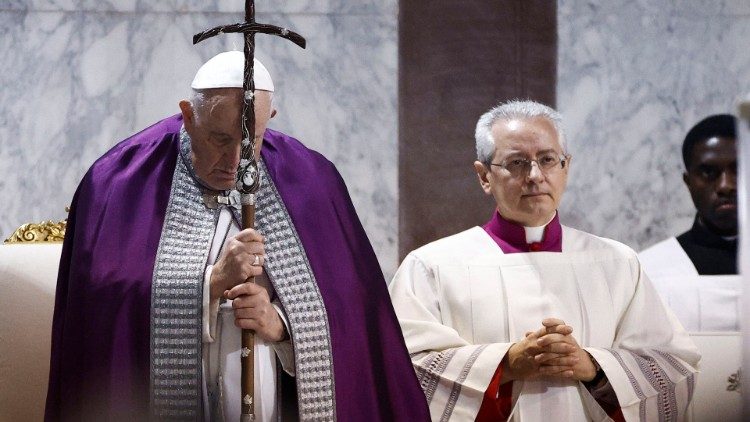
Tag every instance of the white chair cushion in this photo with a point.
(28, 275)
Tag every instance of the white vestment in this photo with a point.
(222, 348)
(701, 302)
(462, 303)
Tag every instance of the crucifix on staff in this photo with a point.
(248, 176)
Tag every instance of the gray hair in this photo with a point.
(515, 109)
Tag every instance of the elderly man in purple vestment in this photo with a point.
(151, 294)
(527, 319)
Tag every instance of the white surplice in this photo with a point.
(701, 302)
(462, 302)
(222, 348)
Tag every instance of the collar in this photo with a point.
(511, 237)
(701, 234)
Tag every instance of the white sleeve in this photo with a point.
(210, 308)
(284, 349)
(652, 363)
(454, 373)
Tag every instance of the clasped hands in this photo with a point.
(243, 257)
(552, 352)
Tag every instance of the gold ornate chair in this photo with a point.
(29, 259)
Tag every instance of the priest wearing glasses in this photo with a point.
(151, 293)
(525, 318)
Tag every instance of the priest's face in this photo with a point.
(531, 197)
(712, 180)
(214, 128)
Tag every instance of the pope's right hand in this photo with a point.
(237, 262)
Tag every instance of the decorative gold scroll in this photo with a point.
(46, 231)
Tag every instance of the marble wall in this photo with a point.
(77, 76)
(80, 75)
(633, 77)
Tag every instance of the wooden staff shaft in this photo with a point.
(248, 340)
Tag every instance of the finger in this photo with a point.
(249, 235)
(539, 333)
(551, 322)
(561, 348)
(560, 329)
(241, 274)
(257, 323)
(254, 248)
(246, 313)
(247, 324)
(258, 260)
(556, 371)
(252, 270)
(554, 359)
(246, 289)
(247, 301)
(548, 339)
(545, 357)
(259, 301)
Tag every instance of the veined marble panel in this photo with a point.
(304, 7)
(633, 77)
(77, 82)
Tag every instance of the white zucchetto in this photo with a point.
(226, 70)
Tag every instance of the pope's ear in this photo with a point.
(188, 115)
(482, 175)
(273, 112)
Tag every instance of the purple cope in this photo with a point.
(100, 362)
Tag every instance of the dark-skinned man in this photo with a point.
(696, 272)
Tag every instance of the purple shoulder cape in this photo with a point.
(99, 367)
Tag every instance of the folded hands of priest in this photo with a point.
(551, 351)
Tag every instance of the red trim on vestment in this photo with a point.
(496, 405)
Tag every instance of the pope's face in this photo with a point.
(529, 199)
(712, 181)
(216, 134)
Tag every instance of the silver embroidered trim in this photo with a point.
(633, 383)
(666, 397)
(682, 370)
(289, 271)
(430, 371)
(176, 307)
(456, 390)
(177, 300)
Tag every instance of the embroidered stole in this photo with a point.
(176, 299)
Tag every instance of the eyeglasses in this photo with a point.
(520, 167)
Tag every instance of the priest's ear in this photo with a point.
(188, 114)
(483, 174)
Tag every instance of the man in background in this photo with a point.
(695, 272)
